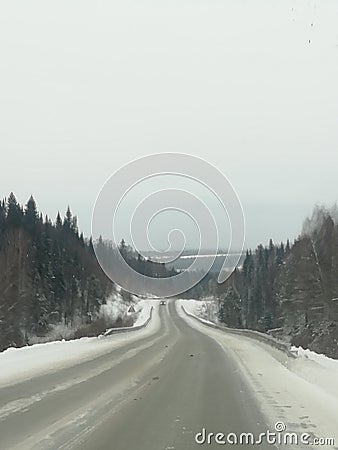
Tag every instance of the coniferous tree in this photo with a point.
(2, 217)
(58, 220)
(14, 212)
(67, 222)
(31, 216)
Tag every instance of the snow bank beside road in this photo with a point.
(143, 310)
(317, 369)
(191, 306)
(204, 309)
(117, 307)
(321, 359)
(263, 338)
(18, 364)
(143, 313)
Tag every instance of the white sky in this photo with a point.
(88, 86)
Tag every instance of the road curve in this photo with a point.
(153, 394)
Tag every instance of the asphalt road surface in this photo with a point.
(155, 393)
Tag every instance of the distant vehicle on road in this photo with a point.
(162, 302)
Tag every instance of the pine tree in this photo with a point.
(30, 218)
(58, 220)
(81, 238)
(67, 222)
(73, 225)
(14, 212)
(91, 246)
(2, 217)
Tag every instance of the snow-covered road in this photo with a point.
(159, 388)
(301, 392)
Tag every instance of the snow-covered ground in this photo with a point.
(17, 364)
(203, 310)
(116, 307)
(206, 309)
(143, 310)
(301, 392)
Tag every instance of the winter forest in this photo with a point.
(289, 291)
(49, 275)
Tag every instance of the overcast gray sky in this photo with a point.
(249, 85)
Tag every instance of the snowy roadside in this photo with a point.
(206, 310)
(143, 310)
(197, 308)
(321, 359)
(18, 364)
(200, 309)
(143, 313)
(301, 392)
